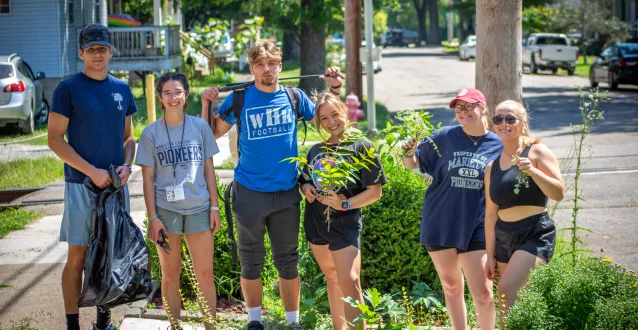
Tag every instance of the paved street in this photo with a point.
(426, 78)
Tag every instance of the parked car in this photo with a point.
(225, 48)
(617, 64)
(376, 57)
(468, 48)
(549, 51)
(21, 94)
(399, 37)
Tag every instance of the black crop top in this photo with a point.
(502, 187)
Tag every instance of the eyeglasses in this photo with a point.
(96, 50)
(467, 107)
(498, 119)
(169, 95)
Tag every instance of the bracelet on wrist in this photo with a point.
(155, 217)
(335, 87)
(214, 208)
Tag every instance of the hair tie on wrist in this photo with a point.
(336, 86)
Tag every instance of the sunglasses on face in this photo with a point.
(467, 107)
(498, 119)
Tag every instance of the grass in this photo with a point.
(227, 164)
(383, 116)
(10, 134)
(582, 70)
(449, 50)
(30, 172)
(14, 219)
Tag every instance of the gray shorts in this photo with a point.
(76, 220)
(279, 213)
(177, 223)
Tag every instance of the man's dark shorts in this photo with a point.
(279, 213)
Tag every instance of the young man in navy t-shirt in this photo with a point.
(265, 192)
(93, 110)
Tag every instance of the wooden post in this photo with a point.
(352, 28)
(150, 98)
(499, 72)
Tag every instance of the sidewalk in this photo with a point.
(32, 260)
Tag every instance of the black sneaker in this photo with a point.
(255, 325)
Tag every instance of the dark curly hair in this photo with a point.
(168, 76)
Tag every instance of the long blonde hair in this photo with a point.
(522, 115)
(336, 103)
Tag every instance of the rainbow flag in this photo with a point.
(122, 21)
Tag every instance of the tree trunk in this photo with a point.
(313, 52)
(434, 37)
(499, 51)
(291, 50)
(420, 6)
(352, 29)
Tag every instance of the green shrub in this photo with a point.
(562, 296)
(619, 313)
(391, 254)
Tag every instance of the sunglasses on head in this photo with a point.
(498, 119)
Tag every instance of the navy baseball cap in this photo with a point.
(94, 34)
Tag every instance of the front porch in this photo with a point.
(146, 48)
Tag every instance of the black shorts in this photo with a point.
(535, 234)
(473, 246)
(345, 228)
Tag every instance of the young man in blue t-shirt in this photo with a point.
(93, 110)
(265, 193)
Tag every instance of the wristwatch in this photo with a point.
(346, 205)
(130, 168)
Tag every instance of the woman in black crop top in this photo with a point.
(519, 233)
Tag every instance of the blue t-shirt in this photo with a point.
(267, 135)
(454, 206)
(97, 110)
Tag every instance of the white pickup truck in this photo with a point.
(549, 51)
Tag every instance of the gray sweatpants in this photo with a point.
(279, 214)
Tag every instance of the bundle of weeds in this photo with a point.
(413, 124)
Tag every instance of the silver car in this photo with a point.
(21, 94)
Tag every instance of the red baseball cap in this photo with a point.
(470, 95)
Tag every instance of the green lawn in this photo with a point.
(30, 172)
(14, 219)
(9, 134)
(582, 69)
(451, 50)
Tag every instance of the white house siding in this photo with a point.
(31, 30)
(69, 35)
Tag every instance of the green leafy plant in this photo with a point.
(414, 124)
(378, 310)
(589, 113)
(567, 297)
(522, 179)
(340, 166)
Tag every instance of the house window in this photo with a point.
(70, 9)
(5, 7)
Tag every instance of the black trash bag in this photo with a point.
(117, 269)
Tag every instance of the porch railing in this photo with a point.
(145, 42)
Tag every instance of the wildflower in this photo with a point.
(607, 260)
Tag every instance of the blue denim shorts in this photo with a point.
(76, 220)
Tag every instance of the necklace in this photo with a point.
(474, 141)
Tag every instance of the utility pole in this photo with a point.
(499, 68)
(372, 115)
(352, 29)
